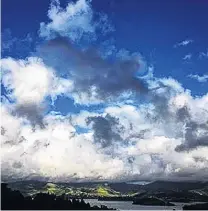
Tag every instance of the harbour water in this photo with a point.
(127, 205)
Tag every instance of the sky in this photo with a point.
(111, 90)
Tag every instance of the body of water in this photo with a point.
(127, 205)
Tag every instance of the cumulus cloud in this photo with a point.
(31, 112)
(94, 76)
(148, 127)
(45, 152)
(200, 79)
(195, 135)
(169, 111)
(18, 77)
(106, 129)
(75, 21)
(194, 116)
(149, 151)
(28, 83)
(183, 43)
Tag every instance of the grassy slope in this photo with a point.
(99, 190)
(102, 191)
(106, 191)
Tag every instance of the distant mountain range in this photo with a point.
(159, 186)
(104, 189)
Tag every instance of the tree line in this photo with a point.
(14, 200)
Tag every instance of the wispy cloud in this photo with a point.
(187, 57)
(201, 79)
(11, 44)
(183, 43)
(203, 55)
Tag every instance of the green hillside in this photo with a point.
(106, 191)
(58, 189)
(196, 192)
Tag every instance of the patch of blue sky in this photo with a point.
(66, 105)
(81, 130)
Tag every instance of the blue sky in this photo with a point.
(97, 64)
(152, 28)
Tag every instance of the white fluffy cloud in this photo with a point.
(55, 151)
(58, 152)
(201, 79)
(163, 136)
(75, 21)
(124, 141)
(30, 81)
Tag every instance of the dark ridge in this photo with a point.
(158, 186)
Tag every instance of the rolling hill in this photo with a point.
(177, 191)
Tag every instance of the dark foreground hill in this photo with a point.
(196, 207)
(14, 200)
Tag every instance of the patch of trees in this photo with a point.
(14, 200)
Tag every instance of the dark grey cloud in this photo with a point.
(139, 135)
(88, 68)
(32, 112)
(3, 131)
(106, 130)
(17, 165)
(192, 138)
(191, 174)
(131, 159)
(200, 159)
(22, 139)
(182, 116)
